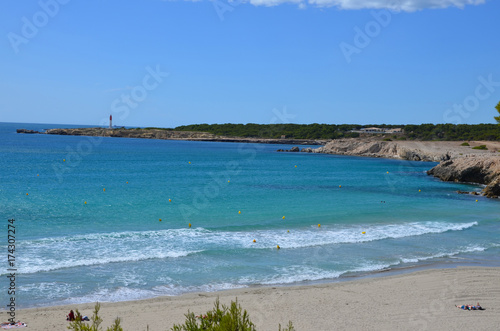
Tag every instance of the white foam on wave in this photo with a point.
(173, 289)
(301, 273)
(443, 254)
(328, 235)
(49, 254)
(33, 264)
(48, 290)
(127, 293)
(112, 295)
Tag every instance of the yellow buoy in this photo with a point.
(254, 241)
(287, 231)
(64, 160)
(239, 211)
(104, 190)
(363, 232)
(229, 181)
(340, 185)
(387, 171)
(295, 166)
(85, 203)
(319, 225)
(27, 194)
(419, 191)
(37, 175)
(476, 200)
(189, 162)
(160, 219)
(283, 217)
(189, 224)
(126, 183)
(169, 200)
(278, 246)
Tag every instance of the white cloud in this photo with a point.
(397, 5)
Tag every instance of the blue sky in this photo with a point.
(169, 63)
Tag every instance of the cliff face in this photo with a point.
(387, 149)
(482, 170)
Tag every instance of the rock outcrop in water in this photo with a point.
(482, 170)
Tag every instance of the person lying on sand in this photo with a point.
(470, 307)
(18, 323)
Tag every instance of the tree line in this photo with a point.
(334, 131)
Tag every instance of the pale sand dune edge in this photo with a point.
(422, 300)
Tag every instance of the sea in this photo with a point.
(115, 219)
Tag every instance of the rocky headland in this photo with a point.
(169, 135)
(457, 163)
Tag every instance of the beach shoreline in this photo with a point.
(416, 300)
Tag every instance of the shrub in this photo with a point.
(387, 139)
(483, 147)
(79, 325)
(221, 318)
(464, 144)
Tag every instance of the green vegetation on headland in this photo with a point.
(332, 131)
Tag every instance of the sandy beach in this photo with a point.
(421, 300)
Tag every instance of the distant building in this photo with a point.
(395, 130)
(110, 121)
(380, 130)
(283, 136)
(372, 130)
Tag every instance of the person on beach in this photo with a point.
(71, 316)
(470, 307)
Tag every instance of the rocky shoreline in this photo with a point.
(168, 135)
(458, 163)
(482, 170)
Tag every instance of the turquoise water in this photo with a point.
(115, 248)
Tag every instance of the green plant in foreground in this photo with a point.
(221, 318)
(483, 147)
(79, 325)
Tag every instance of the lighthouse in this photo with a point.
(110, 121)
